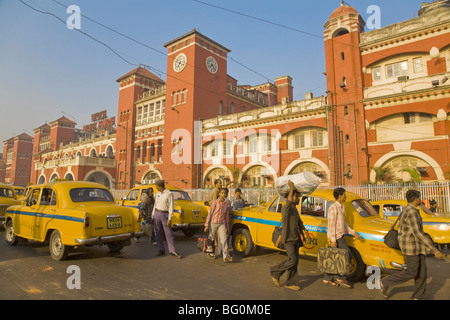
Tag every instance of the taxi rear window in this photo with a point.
(90, 194)
(5, 192)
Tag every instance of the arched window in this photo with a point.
(138, 153)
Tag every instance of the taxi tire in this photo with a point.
(242, 235)
(115, 247)
(58, 250)
(10, 237)
(360, 268)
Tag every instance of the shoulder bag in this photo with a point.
(391, 238)
(276, 236)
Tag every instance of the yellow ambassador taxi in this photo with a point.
(188, 216)
(437, 228)
(254, 227)
(69, 214)
(7, 198)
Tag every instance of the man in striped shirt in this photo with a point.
(219, 221)
(337, 229)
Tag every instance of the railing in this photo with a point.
(438, 191)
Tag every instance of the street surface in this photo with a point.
(28, 272)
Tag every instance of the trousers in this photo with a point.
(162, 229)
(416, 268)
(222, 237)
(290, 265)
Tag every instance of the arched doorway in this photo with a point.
(99, 177)
(312, 167)
(217, 173)
(54, 177)
(257, 176)
(404, 168)
(150, 177)
(69, 177)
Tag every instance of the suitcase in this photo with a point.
(206, 245)
(333, 261)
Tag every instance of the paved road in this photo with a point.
(28, 272)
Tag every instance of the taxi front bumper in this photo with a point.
(111, 238)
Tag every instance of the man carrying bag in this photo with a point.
(337, 229)
(414, 245)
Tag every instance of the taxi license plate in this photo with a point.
(195, 214)
(114, 222)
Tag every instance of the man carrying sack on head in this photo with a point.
(292, 237)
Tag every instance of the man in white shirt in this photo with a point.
(162, 217)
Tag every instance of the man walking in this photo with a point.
(292, 237)
(162, 217)
(337, 229)
(146, 212)
(414, 245)
(218, 220)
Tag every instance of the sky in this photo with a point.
(48, 70)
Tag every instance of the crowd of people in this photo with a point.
(414, 244)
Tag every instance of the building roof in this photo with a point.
(342, 10)
(196, 33)
(142, 72)
(64, 119)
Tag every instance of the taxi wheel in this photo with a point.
(10, 237)
(58, 250)
(242, 242)
(357, 266)
(115, 247)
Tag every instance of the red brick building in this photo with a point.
(385, 116)
(15, 166)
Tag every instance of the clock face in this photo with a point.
(211, 64)
(180, 62)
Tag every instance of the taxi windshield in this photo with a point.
(364, 208)
(90, 194)
(180, 195)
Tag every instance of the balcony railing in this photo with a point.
(78, 161)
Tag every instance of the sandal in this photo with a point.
(331, 283)
(383, 291)
(343, 283)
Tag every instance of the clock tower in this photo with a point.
(196, 89)
(345, 83)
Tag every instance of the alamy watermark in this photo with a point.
(374, 279)
(74, 280)
(74, 20)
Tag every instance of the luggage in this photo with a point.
(391, 238)
(333, 261)
(205, 244)
(276, 237)
(305, 183)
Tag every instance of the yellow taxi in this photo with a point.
(7, 198)
(254, 227)
(70, 214)
(437, 228)
(18, 191)
(188, 216)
